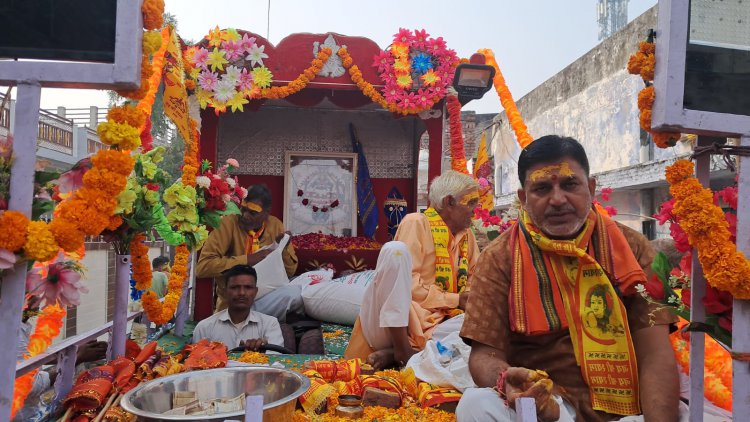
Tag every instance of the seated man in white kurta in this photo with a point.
(239, 325)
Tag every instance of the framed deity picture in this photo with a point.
(320, 194)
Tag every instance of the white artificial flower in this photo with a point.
(232, 76)
(256, 55)
(224, 90)
(203, 181)
(244, 192)
(231, 182)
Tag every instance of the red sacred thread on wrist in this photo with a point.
(500, 387)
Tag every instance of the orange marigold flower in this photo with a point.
(679, 171)
(66, 234)
(114, 223)
(127, 114)
(647, 47)
(153, 11)
(114, 161)
(635, 62)
(40, 243)
(646, 97)
(13, 227)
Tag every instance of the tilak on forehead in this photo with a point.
(552, 171)
(252, 206)
(474, 194)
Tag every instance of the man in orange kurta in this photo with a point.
(443, 254)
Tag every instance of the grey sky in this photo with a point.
(532, 39)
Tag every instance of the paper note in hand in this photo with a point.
(254, 409)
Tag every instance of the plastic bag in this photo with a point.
(444, 363)
(271, 271)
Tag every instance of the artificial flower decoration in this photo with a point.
(256, 55)
(59, 282)
(412, 56)
(216, 60)
(430, 78)
(421, 63)
(262, 77)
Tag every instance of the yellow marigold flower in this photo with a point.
(151, 41)
(119, 135)
(13, 225)
(40, 242)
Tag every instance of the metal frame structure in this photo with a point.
(124, 73)
(669, 80)
(670, 114)
(29, 77)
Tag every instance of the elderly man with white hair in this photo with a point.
(399, 314)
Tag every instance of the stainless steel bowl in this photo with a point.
(279, 388)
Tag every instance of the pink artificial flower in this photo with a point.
(605, 193)
(233, 50)
(246, 81)
(200, 58)
(437, 46)
(422, 99)
(404, 36)
(732, 221)
(232, 162)
(383, 61)
(73, 178)
(408, 101)
(483, 182)
(420, 37)
(612, 211)
(729, 196)
(681, 242)
(247, 42)
(62, 284)
(665, 212)
(208, 80)
(7, 259)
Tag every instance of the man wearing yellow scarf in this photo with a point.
(400, 313)
(554, 313)
(238, 241)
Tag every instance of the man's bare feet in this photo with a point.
(402, 355)
(381, 359)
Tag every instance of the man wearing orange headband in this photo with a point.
(237, 242)
(443, 254)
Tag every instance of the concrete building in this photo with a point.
(594, 100)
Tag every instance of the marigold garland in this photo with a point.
(724, 267)
(146, 104)
(369, 90)
(301, 81)
(139, 260)
(506, 99)
(40, 242)
(643, 63)
(717, 373)
(458, 154)
(158, 312)
(13, 226)
(153, 11)
(48, 327)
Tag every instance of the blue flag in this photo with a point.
(366, 204)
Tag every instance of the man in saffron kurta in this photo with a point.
(237, 241)
(554, 313)
(443, 254)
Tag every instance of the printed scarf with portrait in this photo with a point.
(445, 277)
(576, 284)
